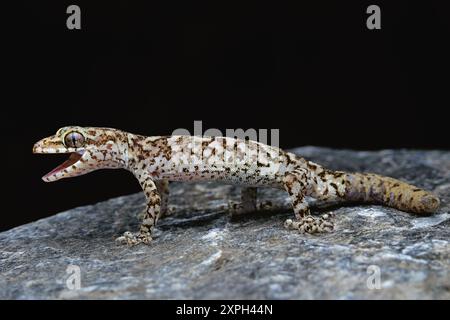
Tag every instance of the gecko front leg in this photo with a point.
(296, 184)
(163, 189)
(151, 215)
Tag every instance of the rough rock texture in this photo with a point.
(200, 253)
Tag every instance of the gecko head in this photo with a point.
(89, 149)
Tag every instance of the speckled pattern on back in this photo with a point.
(155, 161)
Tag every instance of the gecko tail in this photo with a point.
(373, 188)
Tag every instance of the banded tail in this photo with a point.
(389, 192)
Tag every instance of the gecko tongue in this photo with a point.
(74, 157)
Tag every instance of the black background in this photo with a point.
(311, 69)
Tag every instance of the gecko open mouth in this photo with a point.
(73, 158)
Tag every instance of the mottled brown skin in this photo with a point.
(390, 192)
(155, 161)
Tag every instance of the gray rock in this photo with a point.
(199, 252)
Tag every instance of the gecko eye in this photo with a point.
(74, 139)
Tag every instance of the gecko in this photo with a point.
(157, 160)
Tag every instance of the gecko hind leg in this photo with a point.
(295, 184)
(247, 204)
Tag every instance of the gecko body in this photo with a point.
(155, 161)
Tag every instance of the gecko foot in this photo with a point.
(131, 239)
(310, 224)
(265, 205)
(237, 208)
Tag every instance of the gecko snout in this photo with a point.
(38, 146)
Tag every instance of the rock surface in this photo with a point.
(199, 252)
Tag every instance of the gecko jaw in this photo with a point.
(66, 169)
